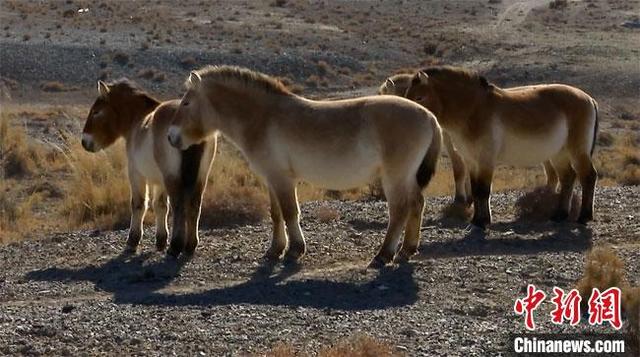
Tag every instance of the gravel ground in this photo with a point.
(75, 294)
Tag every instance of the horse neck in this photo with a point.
(454, 114)
(244, 116)
(133, 116)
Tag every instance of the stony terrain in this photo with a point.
(74, 293)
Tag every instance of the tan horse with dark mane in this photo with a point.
(123, 110)
(520, 127)
(398, 85)
(332, 144)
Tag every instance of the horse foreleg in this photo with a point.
(161, 210)
(285, 191)
(192, 215)
(177, 201)
(412, 230)
(138, 188)
(481, 190)
(460, 174)
(279, 240)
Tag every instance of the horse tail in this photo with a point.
(428, 165)
(595, 128)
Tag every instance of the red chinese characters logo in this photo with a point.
(605, 307)
(529, 304)
(567, 307)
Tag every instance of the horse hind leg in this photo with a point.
(588, 177)
(412, 230)
(398, 199)
(567, 178)
(161, 210)
(552, 176)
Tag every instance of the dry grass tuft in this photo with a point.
(326, 214)
(604, 269)
(16, 213)
(18, 157)
(540, 204)
(97, 191)
(620, 162)
(361, 346)
(234, 195)
(54, 86)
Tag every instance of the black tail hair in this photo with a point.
(428, 165)
(595, 129)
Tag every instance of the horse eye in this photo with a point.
(185, 103)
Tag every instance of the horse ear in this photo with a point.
(423, 77)
(389, 83)
(103, 88)
(194, 78)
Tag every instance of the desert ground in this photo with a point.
(66, 289)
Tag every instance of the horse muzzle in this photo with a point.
(175, 139)
(88, 143)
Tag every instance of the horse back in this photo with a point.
(536, 108)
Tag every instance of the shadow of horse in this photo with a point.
(132, 282)
(476, 244)
(119, 273)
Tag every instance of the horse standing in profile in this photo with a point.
(522, 127)
(124, 110)
(398, 85)
(337, 145)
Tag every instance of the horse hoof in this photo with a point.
(128, 250)
(377, 263)
(560, 217)
(173, 253)
(291, 259)
(161, 246)
(273, 255)
(584, 220)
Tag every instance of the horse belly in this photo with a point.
(527, 150)
(341, 171)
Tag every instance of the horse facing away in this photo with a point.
(398, 85)
(123, 110)
(520, 127)
(332, 144)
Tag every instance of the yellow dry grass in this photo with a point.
(604, 269)
(359, 346)
(96, 192)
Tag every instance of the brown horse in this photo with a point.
(332, 144)
(123, 110)
(398, 85)
(520, 127)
